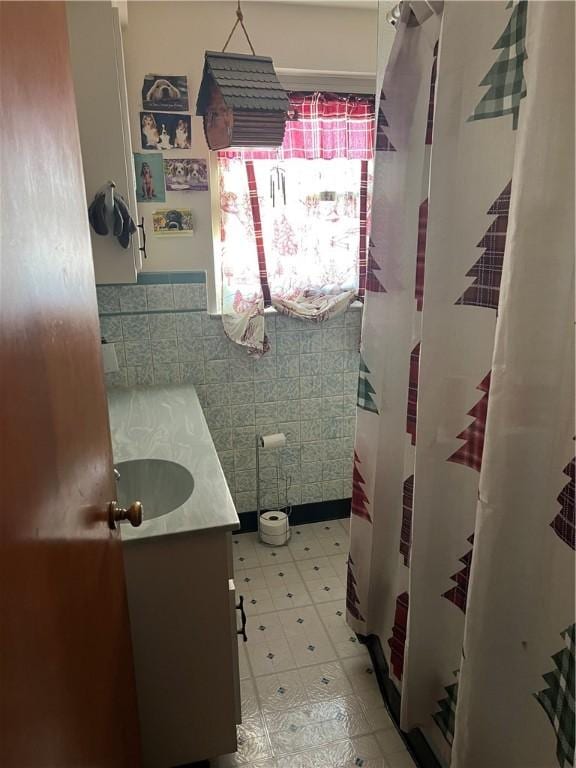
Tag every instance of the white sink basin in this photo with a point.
(162, 486)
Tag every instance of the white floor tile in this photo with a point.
(315, 568)
(290, 596)
(249, 699)
(304, 550)
(325, 681)
(266, 628)
(277, 575)
(326, 590)
(400, 760)
(390, 742)
(256, 601)
(310, 698)
(284, 690)
(340, 564)
(273, 656)
(244, 667)
(268, 555)
(378, 718)
(250, 578)
(360, 673)
(327, 529)
(335, 546)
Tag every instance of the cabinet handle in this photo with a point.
(143, 246)
(240, 607)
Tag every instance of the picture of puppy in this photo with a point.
(168, 93)
(147, 182)
(186, 175)
(162, 90)
(150, 137)
(164, 140)
(161, 130)
(176, 221)
(149, 172)
(198, 174)
(182, 140)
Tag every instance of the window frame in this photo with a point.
(293, 80)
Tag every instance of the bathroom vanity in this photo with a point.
(179, 575)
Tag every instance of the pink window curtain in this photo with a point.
(293, 234)
(324, 126)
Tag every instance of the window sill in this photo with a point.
(356, 306)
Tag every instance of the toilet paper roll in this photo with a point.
(274, 528)
(273, 441)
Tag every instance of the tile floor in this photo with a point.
(309, 694)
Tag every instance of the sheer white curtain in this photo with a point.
(294, 221)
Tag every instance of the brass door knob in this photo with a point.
(117, 513)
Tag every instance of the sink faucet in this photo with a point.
(116, 474)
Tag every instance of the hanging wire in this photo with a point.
(239, 20)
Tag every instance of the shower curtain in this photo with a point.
(462, 535)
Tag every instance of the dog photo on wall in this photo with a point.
(168, 93)
(161, 130)
(149, 178)
(173, 221)
(186, 175)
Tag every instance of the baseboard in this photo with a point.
(303, 513)
(414, 739)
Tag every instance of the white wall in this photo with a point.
(171, 37)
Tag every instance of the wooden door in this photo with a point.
(67, 694)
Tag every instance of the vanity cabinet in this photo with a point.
(182, 604)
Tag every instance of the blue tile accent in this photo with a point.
(162, 278)
(158, 278)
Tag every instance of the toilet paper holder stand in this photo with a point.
(286, 507)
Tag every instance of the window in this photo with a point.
(293, 221)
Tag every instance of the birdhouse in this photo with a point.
(242, 101)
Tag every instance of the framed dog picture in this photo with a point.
(173, 221)
(161, 130)
(149, 178)
(168, 93)
(185, 175)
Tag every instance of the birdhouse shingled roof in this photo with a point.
(245, 82)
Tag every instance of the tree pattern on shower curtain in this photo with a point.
(360, 500)
(398, 640)
(373, 282)
(506, 75)
(487, 271)
(365, 389)
(563, 523)
(352, 600)
(470, 454)
(383, 143)
(454, 501)
(446, 718)
(558, 699)
(459, 594)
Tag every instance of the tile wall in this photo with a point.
(305, 386)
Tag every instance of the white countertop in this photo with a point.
(167, 422)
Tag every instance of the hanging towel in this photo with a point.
(123, 225)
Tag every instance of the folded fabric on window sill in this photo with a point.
(248, 329)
